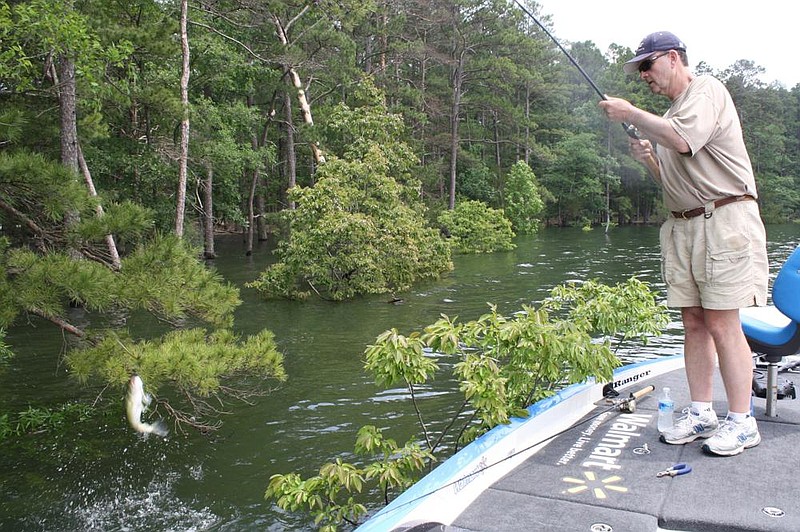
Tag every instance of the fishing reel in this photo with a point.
(625, 404)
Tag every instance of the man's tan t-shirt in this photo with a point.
(718, 165)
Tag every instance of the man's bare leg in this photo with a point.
(699, 354)
(735, 357)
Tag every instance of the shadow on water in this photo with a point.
(101, 476)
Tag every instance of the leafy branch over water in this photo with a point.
(502, 365)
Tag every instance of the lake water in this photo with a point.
(99, 475)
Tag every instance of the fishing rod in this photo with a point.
(630, 129)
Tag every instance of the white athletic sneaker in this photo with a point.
(691, 426)
(734, 437)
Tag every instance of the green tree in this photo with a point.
(474, 227)
(523, 201)
(574, 179)
(360, 229)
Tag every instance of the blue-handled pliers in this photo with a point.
(674, 471)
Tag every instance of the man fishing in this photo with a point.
(713, 245)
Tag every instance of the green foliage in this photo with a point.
(37, 29)
(353, 234)
(410, 365)
(501, 364)
(196, 362)
(508, 362)
(48, 283)
(360, 228)
(476, 181)
(321, 495)
(42, 189)
(42, 192)
(780, 198)
(193, 359)
(395, 468)
(523, 202)
(574, 179)
(5, 350)
(329, 497)
(366, 128)
(11, 123)
(40, 274)
(474, 227)
(37, 420)
(164, 277)
(126, 220)
(627, 309)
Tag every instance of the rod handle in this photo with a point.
(641, 393)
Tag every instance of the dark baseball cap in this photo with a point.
(660, 41)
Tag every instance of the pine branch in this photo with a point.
(27, 222)
(185, 418)
(234, 40)
(65, 325)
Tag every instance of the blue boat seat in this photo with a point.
(773, 332)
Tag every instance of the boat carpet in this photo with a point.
(598, 477)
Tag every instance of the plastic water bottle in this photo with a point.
(666, 411)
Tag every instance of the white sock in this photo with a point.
(738, 417)
(701, 406)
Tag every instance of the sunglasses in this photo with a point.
(647, 64)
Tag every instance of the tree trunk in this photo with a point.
(67, 100)
(261, 221)
(65, 83)
(208, 214)
(458, 82)
(606, 173)
(251, 196)
(368, 53)
(527, 155)
(71, 154)
(498, 161)
(384, 23)
(291, 156)
(251, 215)
(184, 148)
(423, 89)
(294, 78)
(113, 253)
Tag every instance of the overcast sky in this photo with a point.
(715, 31)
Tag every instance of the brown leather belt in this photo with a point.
(691, 213)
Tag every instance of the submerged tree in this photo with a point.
(524, 202)
(474, 227)
(361, 228)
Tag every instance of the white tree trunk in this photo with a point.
(184, 148)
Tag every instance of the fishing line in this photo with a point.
(630, 129)
(512, 455)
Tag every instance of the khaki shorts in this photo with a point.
(717, 262)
